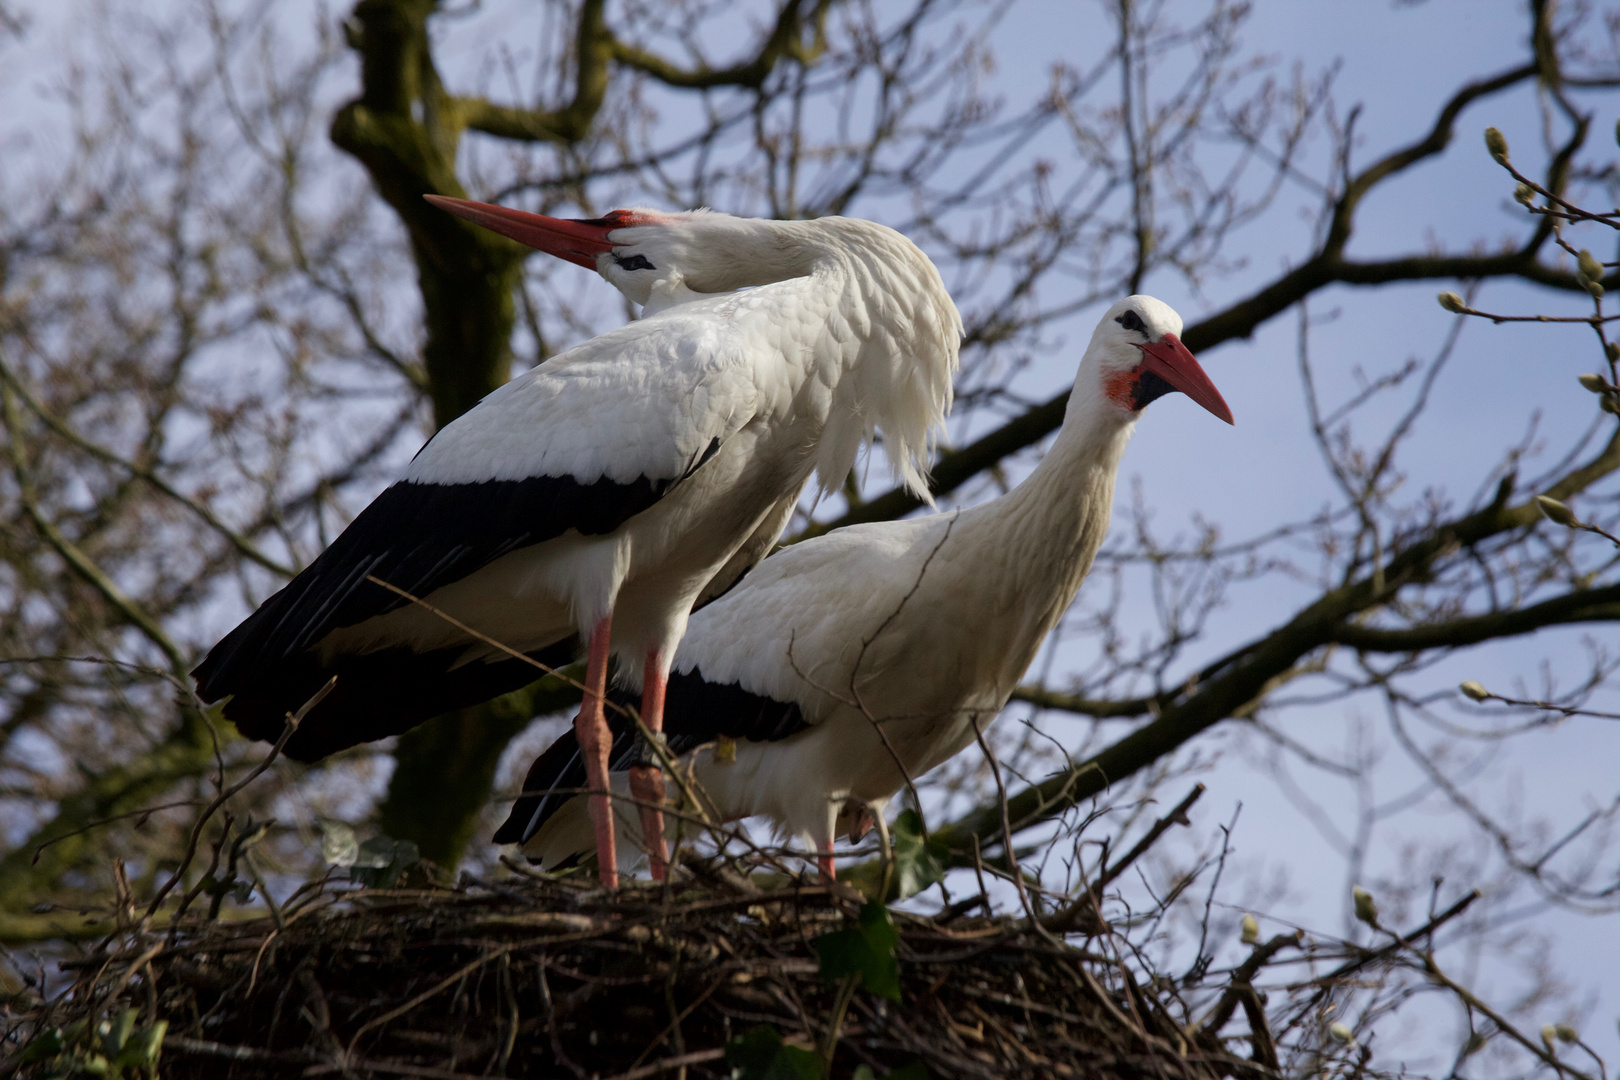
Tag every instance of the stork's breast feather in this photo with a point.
(793, 628)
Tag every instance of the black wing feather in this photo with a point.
(696, 711)
(418, 537)
(377, 694)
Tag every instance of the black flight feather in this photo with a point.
(418, 537)
(378, 694)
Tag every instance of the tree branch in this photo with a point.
(596, 46)
(1585, 605)
(81, 564)
(784, 41)
(237, 540)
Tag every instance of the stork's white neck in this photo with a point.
(1040, 539)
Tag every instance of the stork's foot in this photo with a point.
(829, 872)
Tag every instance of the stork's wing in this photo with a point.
(585, 442)
(695, 712)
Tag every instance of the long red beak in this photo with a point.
(579, 242)
(1171, 361)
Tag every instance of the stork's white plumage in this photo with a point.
(922, 626)
(605, 491)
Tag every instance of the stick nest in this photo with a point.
(537, 977)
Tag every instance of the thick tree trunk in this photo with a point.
(444, 770)
(404, 129)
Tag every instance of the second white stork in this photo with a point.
(600, 494)
(846, 663)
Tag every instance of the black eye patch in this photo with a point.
(634, 262)
(1130, 320)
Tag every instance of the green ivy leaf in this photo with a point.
(867, 950)
(117, 1034)
(918, 863)
(381, 860)
(44, 1046)
(338, 844)
(760, 1054)
(144, 1046)
(96, 1065)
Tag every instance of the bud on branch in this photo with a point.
(1589, 266)
(1366, 910)
(1589, 272)
(1497, 145)
(1556, 512)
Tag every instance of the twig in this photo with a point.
(551, 1023)
(241, 543)
(1177, 816)
(1432, 969)
(696, 1057)
(1087, 901)
(1013, 868)
(1241, 980)
(846, 992)
(485, 638)
(145, 811)
(71, 554)
(293, 720)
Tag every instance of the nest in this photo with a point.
(552, 977)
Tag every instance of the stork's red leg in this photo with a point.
(647, 781)
(829, 872)
(595, 745)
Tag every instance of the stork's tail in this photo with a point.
(378, 694)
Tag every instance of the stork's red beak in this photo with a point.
(577, 241)
(1171, 361)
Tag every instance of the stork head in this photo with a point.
(1139, 355)
(638, 250)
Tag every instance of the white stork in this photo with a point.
(922, 626)
(602, 493)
